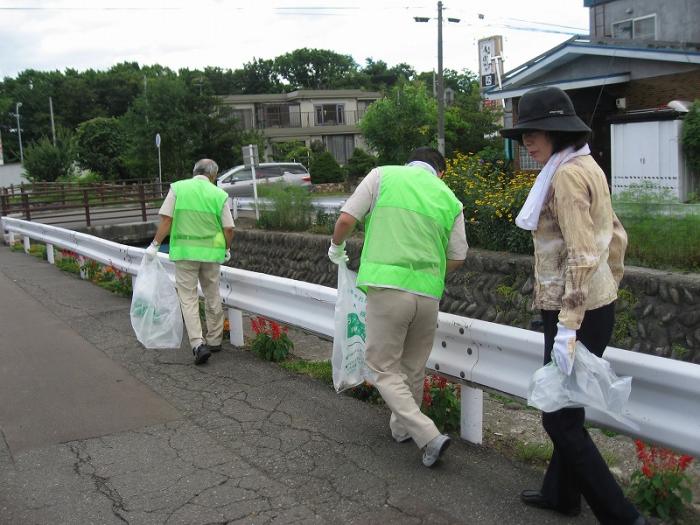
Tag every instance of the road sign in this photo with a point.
(250, 155)
(157, 140)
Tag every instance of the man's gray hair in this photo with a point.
(205, 167)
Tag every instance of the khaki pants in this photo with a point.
(187, 274)
(400, 331)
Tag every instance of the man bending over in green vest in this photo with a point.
(414, 234)
(200, 225)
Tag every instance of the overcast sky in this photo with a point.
(83, 34)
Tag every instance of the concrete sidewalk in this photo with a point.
(98, 430)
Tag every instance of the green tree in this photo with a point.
(324, 168)
(45, 162)
(256, 77)
(315, 68)
(99, 147)
(402, 121)
(691, 137)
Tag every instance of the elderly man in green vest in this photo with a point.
(200, 225)
(414, 234)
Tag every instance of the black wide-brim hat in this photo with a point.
(545, 109)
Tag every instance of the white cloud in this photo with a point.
(224, 33)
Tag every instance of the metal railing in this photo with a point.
(308, 119)
(665, 399)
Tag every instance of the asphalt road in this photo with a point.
(95, 429)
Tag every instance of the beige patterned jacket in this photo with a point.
(579, 244)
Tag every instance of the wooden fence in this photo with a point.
(69, 203)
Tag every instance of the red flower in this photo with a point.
(646, 471)
(684, 462)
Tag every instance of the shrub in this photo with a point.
(324, 168)
(360, 163)
(661, 486)
(271, 341)
(492, 198)
(441, 402)
(289, 207)
(691, 137)
(45, 162)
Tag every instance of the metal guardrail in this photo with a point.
(326, 204)
(665, 398)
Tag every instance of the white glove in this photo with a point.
(564, 349)
(336, 253)
(227, 257)
(152, 250)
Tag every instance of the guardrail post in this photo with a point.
(81, 265)
(233, 204)
(11, 239)
(63, 193)
(142, 200)
(86, 204)
(472, 416)
(235, 326)
(50, 254)
(25, 205)
(27, 244)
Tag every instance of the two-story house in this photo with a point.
(640, 55)
(328, 116)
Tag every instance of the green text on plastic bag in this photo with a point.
(355, 326)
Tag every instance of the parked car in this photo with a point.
(238, 181)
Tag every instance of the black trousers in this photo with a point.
(577, 468)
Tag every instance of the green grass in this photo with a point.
(663, 242)
(537, 453)
(320, 370)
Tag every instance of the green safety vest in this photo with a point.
(196, 233)
(407, 232)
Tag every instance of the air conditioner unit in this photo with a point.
(621, 103)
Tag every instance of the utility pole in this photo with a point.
(19, 133)
(53, 126)
(440, 79)
(440, 88)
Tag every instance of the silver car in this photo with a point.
(238, 181)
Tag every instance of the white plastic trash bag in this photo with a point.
(348, 359)
(155, 309)
(592, 383)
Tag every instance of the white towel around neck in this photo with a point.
(529, 214)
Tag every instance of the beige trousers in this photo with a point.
(187, 275)
(400, 331)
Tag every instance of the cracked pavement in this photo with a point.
(152, 439)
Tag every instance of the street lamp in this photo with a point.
(19, 133)
(440, 81)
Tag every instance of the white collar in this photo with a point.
(424, 165)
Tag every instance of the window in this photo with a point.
(243, 117)
(244, 174)
(642, 28)
(329, 114)
(340, 146)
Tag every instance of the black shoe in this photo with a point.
(201, 354)
(534, 498)
(214, 349)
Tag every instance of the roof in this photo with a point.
(303, 94)
(518, 80)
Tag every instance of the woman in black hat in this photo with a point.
(579, 251)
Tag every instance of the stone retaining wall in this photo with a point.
(657, 312)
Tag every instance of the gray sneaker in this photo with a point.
(435, 449)
(201, 354)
